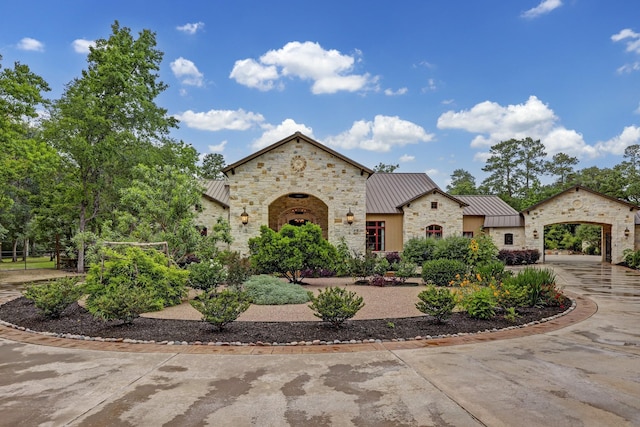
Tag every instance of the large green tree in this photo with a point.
(462, 183)
(562, 167)
(25, 160)
(107, 122)
(502, 166)
(212, 165)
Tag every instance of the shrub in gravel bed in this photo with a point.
(335, 305)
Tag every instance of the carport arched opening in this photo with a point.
(562, 238)
(299, 209)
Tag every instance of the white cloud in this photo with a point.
(632, 40)
(405, 158)
(217, 148)
(543, 8)
(494, 123)
(187, 72)
(82, 45)
(191, 28)
(391, 92)
(28, 43)
(633, 45)
(329, 70)
(274, 134)
(250, 73)
(630, 135)
(431, 86)
(216, 120)
(381, 134)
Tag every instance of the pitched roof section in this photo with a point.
(296, 136)
(387, 192)
(499, 221)
(581, 188)
(486, 206)
(216, 190)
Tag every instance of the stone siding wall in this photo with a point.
(418, 215)
(298, 167)
(583, 207)
(210, 213)
(497, 235)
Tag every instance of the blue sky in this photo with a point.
(429, 85)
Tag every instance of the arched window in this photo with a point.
(434, 231)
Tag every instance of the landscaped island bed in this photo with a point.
(77, 321)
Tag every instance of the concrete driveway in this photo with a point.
(583, 374)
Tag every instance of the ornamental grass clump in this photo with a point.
(335, 305)
(268, 290)
(53, 297)
(437, 302)
(221, 308)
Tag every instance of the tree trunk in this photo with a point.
(14, 257)
(81, 227)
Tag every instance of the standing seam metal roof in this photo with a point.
(485, 205)
(216, 190)
(386, 192)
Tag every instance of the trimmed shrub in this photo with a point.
(206, 275)
(269, 290)
(436, 302)
(53, 297)
(519, 257)
(418, 250)
(238, 268)
(221, 308)
(441, 272)
(453, 247)
(405, 270)
(335, 305)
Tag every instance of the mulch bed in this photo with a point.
(77, 321)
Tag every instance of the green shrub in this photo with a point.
(436, 302)
(480, 304)
(53, 297)
(363, 266)
(418, 250)
(122, 302)
(381, 266)
(335, 305)
(206, 275)
(238, 268)
(405, 270)
(631, 258)
(132, 271)
(493, 269)
(441, 272)
(513, 294)
(342, 264)
(453, 247)
(269, 290)
(221, 308)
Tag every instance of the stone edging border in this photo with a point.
(575, 313)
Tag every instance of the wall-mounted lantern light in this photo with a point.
(244, 216)
(350, 217)
(535, 234)
(626, 232)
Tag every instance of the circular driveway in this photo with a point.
(584, 373)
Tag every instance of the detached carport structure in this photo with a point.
(580, 205)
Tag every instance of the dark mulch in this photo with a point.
(76, 320)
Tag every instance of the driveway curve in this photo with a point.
(579, 373)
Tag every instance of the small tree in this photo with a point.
(290, 250)
(221, 308)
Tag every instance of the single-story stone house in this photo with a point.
(298, 180)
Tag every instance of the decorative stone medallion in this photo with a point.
(298, 163)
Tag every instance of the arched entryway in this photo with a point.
(298, 209)
(563, 238)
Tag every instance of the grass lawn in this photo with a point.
(32, 262)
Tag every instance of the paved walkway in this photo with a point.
(585, 373)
